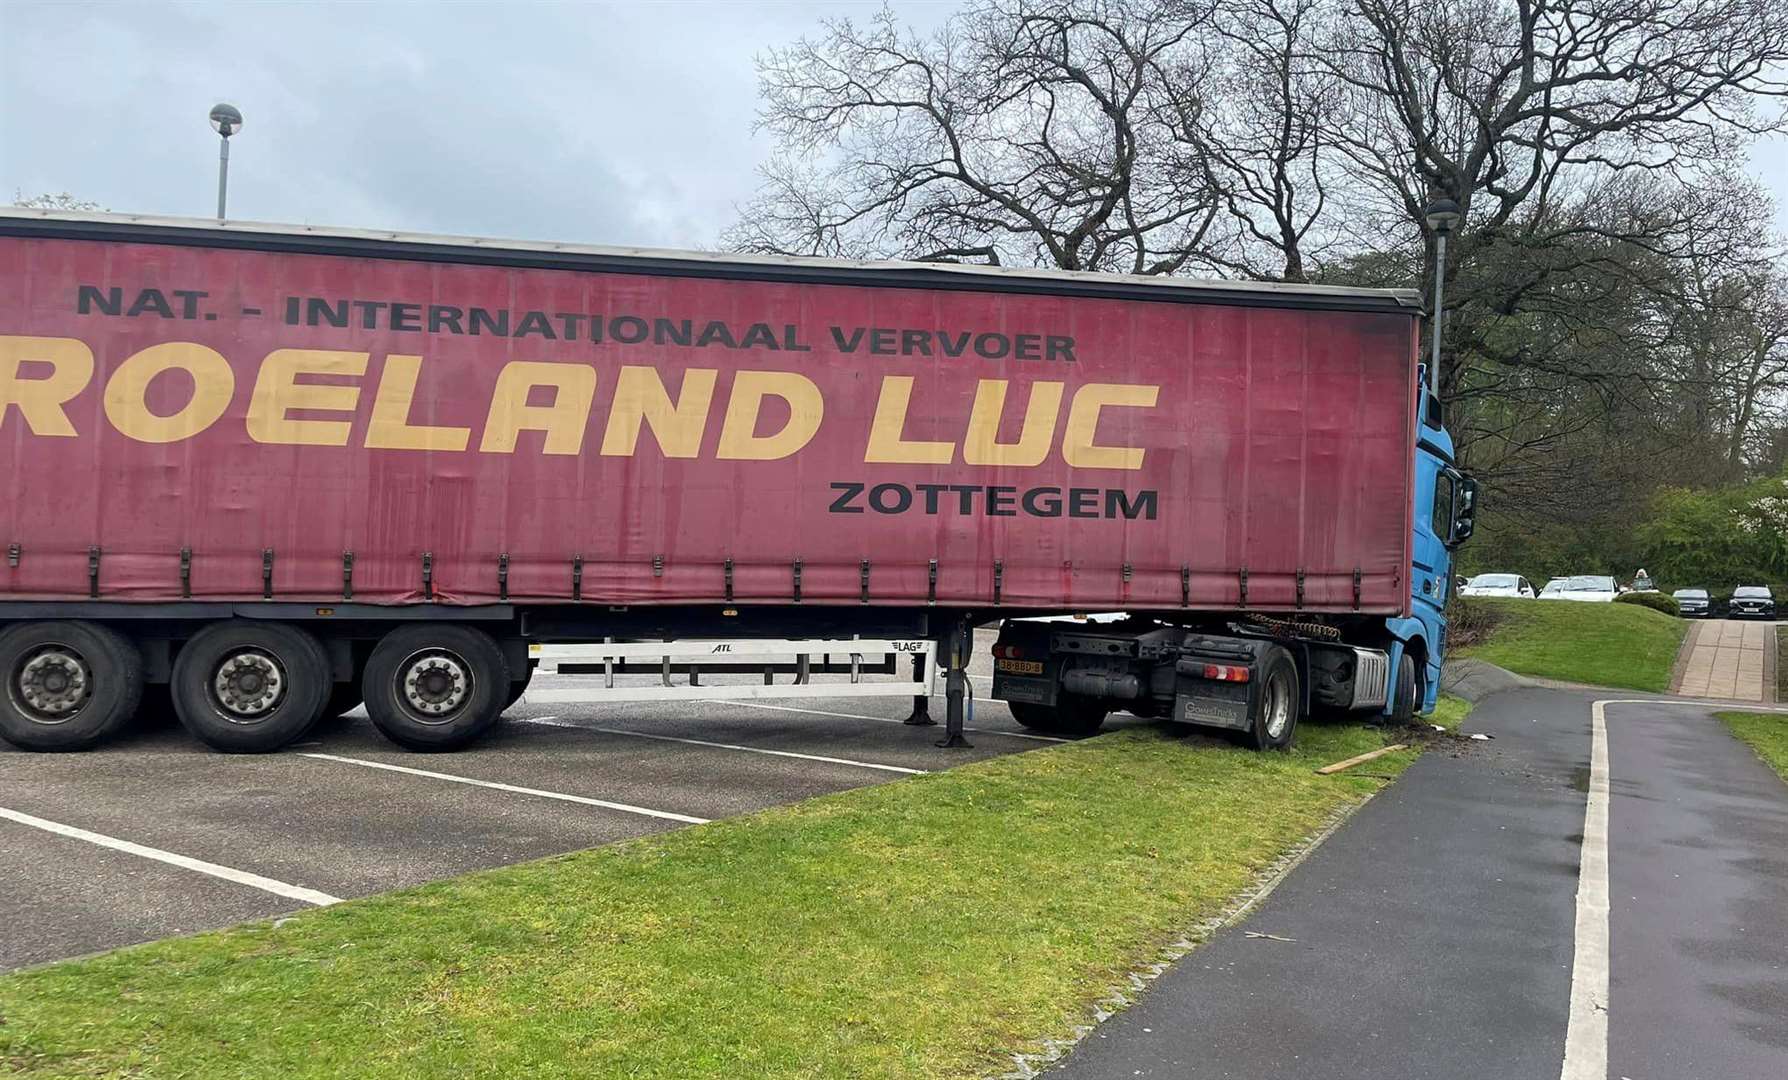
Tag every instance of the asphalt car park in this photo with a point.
(154, 835)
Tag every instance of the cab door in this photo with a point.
(1437, 490)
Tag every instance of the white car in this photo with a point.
(1497, 585)
(1585, 587)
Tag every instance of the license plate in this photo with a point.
(1019, 667)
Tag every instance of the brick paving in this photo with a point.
(1728, 659)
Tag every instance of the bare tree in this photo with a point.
(1252, 119)
(1035, 133)
(1514, 107)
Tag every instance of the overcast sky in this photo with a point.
(594, 123)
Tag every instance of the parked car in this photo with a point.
(1751, 601)
(1589, 588)
(1692, 602)
(1497, 585)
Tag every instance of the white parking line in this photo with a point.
(559, 795)
(185, 862)
(554, 721)
(883, 720)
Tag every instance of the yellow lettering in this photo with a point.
(981, 446)
(278, 392)
(574, 388)
(390, 428)
(739, 440)
(213, 384)
(885, 431)
(1078, 447)
(40, 401)
(640, 396)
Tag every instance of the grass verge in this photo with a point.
(1781, 665)
(1449, 712)
(1767, 733)
(1623, 645)
(923, 928)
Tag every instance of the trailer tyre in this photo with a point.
(250, 687)
(436, 687)
(1273, 712)
(69, 685)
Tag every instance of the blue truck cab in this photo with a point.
(1444, 516)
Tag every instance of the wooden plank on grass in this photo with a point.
(1361, 759)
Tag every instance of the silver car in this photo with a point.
(1692, 603)
(1497, 585)
(1589, 588)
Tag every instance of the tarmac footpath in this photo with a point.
(1457, 925)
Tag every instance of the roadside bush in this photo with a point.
(1470, 621)
(1657, 601)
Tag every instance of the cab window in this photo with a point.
(1442, 521)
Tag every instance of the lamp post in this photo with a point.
(226, 120)
(1442, 215)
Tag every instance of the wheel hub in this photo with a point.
(436, 684)
(1278, 707)
(249, 683)
(54, 683)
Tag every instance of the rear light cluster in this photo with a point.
(1226, 672)
(1008, 652)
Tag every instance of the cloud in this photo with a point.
(576, 123)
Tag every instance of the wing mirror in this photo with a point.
(1465, 513)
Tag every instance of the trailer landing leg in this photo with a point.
(955, 685)
(921, 714)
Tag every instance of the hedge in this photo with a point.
(1657, 601)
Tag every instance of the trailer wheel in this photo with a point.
(1072, 715)
(1273, 714)
(250, 687)
(435, 687)
(69, 685)
(1407, 694)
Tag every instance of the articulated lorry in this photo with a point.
(269, 473)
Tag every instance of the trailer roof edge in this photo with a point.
(421, 247)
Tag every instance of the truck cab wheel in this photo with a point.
(250, 687)
(1276, 702)
(1072, 716)
(1406, 695)
(435, 687)
(69, 685)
